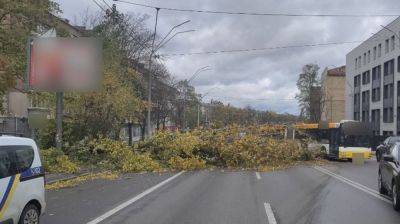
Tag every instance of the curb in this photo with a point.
(66, 178)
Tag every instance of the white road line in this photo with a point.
(132, 200)
(258, 175)
(353, 184)
(270, 213)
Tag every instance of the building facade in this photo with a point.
(373, 81)
(333, 83)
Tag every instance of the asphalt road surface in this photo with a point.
(338, 192)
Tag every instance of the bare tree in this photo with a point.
(310, 96)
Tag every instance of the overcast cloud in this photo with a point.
(262, 79)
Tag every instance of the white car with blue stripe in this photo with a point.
(22, 192)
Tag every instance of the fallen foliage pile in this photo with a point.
(232, 147)
(252, 147)
(78, 180)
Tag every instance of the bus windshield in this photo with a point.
(356, 141)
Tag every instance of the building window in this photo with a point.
(398, 64)
(355, 64)
(369, 57)
(379, 50)
(364, 58)
(392, 42)
(385, 91)
(391, 90)
(388, 115)
(376, 94)
(374, 53)
(386, 46)
(376, 73)
(398, 89)
(363, 97)
(357, 80)
(359, 61)
(388, 68)
(385, 115)
(366, 78)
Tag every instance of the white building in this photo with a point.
(373, 81)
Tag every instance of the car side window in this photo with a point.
(386, 141)
(24, 158)
(15, 159)
(7, 163)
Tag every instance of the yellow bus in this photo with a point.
(341, 140)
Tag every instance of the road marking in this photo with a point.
(353, 184)
(270, 213)
(258, 175)
(132, 200)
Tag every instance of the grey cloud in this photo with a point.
(269, 75)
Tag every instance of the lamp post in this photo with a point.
(201, 99)
(195, 74)
(152, 53)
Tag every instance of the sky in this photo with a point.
(264, 80)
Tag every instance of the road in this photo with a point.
(338, 192)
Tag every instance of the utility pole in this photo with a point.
(198, 114)
(59, 118)
(149, 82)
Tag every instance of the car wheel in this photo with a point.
(30, 215)
(381, 188)
(395, 196)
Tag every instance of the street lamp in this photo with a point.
(201, 99)
(153, 51)
(195, 74)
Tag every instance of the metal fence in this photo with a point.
(15, 126)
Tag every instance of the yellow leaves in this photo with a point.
(179, 163)
(81, 179)
(234, 147)
(54, 161)
(119, 156)
(142, 162)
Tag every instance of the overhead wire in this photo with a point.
(259, 49)
(256, 13)
(99, 5)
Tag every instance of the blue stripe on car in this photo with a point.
(6, 193)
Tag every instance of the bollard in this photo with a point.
(358, 158)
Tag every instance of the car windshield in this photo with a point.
(394, 139)
(199, 111)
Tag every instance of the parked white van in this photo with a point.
(22, 193)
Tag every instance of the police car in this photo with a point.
(22, 193)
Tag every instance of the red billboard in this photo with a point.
(64, 64)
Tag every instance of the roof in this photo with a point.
(377, 34)
(339, 71)
(12, 140)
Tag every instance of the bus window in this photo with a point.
(356, 141)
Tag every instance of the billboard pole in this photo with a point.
(59, 118)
